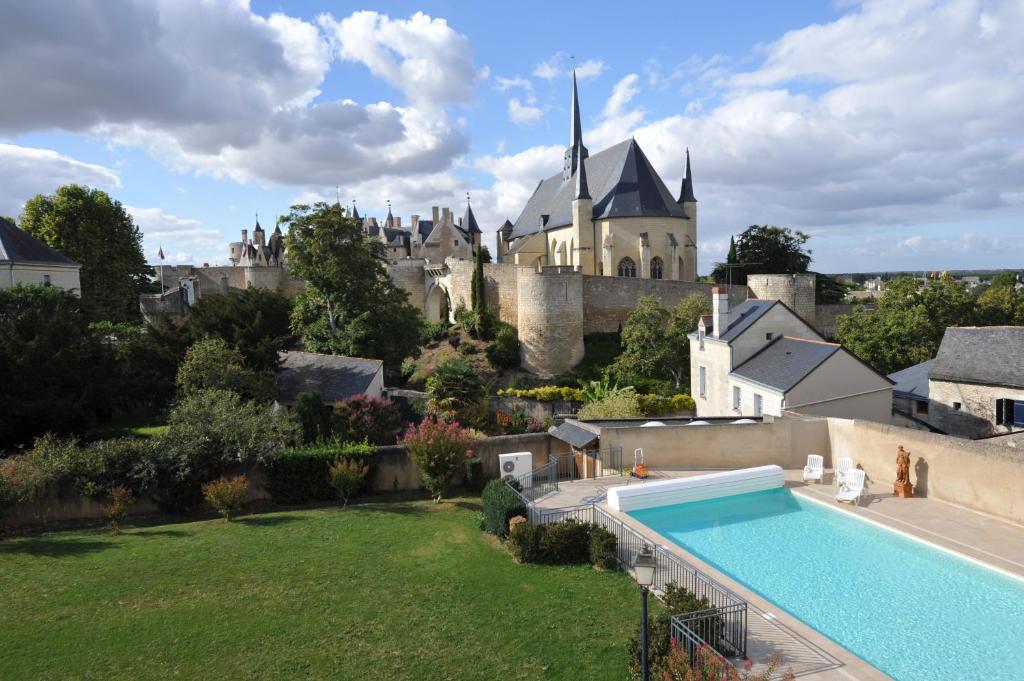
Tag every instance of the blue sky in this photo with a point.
(853, 121)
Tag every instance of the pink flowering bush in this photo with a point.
(439, 449)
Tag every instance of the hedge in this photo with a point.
(563, 543)
(500, 504)
(300, 474)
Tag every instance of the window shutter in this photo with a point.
(1000, 412)
(1018, 412)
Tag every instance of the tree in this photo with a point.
(313, 417)
(456, 390)
(49, 364)
(772, 250)
(349, 306)
(485, 254)
(478, 292)
(1001, 303)
(213, 364)
(254, 321)
(656, 342)
(88, 226)
(140, 365)
(731, 258)
(908, 324)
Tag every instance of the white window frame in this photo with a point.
(737, 397)
(702, 372)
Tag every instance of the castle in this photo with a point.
(589, 243)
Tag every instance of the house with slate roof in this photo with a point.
(27, 260)
(608, 214)
(976, 383)
(335, 377)
(760, 358)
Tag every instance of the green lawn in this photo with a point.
(407, 590)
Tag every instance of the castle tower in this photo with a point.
(583, 221)
(550, 320)
(504, 236)
(796, 291)
(689, 246)
(576, 152)
(470, 226)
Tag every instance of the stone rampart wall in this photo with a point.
(607, 301)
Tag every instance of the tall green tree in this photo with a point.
(731, 258)
(90, 227)
(765, 249)
(212, 364)
(256, 322)
(478, 292)
(655, 341)
(349, 305)
(908, 324)
(1001, 303)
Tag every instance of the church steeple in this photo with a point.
(576, 152)
(686, 190)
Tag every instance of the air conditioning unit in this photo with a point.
(516, 464)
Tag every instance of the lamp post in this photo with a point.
(643, 572)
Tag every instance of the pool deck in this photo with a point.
(991, 541)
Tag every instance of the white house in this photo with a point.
(27, 260)
(762, 358)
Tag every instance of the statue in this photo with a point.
(902, 486)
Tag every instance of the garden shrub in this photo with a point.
(503, 351)
(499, 505)
(409, 367)
(227, 495)
(677, 666)
(434, 331)
(347, 477)
(456, 391)
(545, 393)
(213, 364)
(125, 462)
(565, 542)
(208, 432)
(603, 548)
(438, 447)
(116, 510)
(302, 474)
(468, 349)
(677, 601)
(658, 405)
(618, 404)
(375, 420)
(524, 542)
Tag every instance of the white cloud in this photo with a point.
(505, 84)
(520, 113)
(184, 240)
(216, 88)
(27, 171)
(559, 64)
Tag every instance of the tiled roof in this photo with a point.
(990, 355)
(785, 362)
(622, 182)
(912, 381)
(335, 377)
(17, 245)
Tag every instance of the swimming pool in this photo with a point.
(911, 610)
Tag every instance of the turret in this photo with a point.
(470, 226)
(583, 224)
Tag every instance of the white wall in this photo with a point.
(64, 277)
(844, 387)
(779, 322)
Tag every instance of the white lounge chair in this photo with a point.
(815, 468)
(844, 465)
(853, 489)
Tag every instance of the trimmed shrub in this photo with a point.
(467, 349)
(524, 542)
(301, 474)
(546, 393)
(603, 548)
(499, 504)
(503, 351)
(565, 542)
(117, 508)
(438, 448)
(618, 404)
(227, 495)
(677, 601)
(658, 405)
(347, 477)
(370, 419)
(313, 417)
(125, 462)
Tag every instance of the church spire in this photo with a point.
(576, 152)
(686, 190)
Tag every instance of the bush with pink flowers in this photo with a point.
(438, 448)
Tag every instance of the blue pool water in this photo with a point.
(911, 610)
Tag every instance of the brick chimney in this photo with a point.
(719, 311)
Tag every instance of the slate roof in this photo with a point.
(743, 315)
(469, 221)
(912, 381)
(622, 182)
(17, 245)
(425, 227)
(575, 435)
(785, 362)
(991, 355)
(335, 377)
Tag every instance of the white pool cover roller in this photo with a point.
(696, 488)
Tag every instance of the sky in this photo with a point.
(891, 132)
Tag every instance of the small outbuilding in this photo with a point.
(335, 377)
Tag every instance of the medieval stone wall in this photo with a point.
(408, 275)
(796, 291)
(827, 318)
(607, 301)
(550, 321)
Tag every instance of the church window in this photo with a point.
(627, 268)
(657, 269)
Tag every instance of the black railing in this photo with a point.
(686, 631)
(723, 625)
(538, 482)
(588, 464)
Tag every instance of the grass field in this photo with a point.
(407, 590)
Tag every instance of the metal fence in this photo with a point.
(538, 482)
(691, 630)
(588, 464)
(723, 625)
